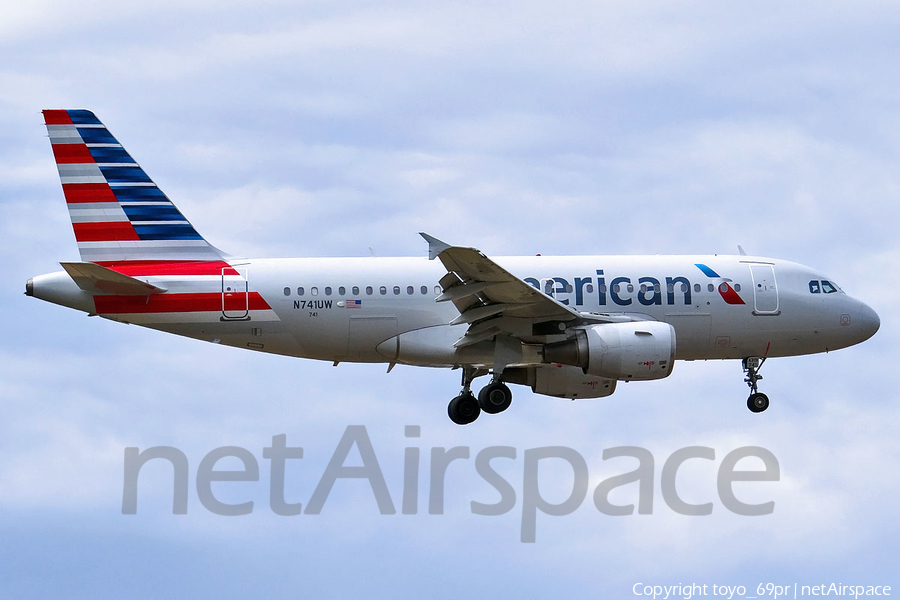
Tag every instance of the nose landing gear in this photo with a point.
(757, 402)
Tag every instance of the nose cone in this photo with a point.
(867, 321)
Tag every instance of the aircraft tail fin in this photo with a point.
(118, 213)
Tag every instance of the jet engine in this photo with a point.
(561, 381)
(637, 351)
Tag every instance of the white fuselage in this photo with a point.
(384, 309)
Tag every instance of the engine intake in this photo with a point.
(638, 351)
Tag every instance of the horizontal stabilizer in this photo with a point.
(99, 280)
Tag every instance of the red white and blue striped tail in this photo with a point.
(118, 213)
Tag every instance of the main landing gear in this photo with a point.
(757, 402)
(493, 398)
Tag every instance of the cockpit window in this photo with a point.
(828, 288)
(814, 287)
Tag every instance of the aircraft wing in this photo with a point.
(492, 300)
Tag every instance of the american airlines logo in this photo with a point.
(727, 292)
(623, 291)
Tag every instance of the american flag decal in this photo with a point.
(354, 304)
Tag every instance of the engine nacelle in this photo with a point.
(561, 381)
(637, 351)
(570, 382)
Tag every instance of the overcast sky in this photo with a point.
(331, 128)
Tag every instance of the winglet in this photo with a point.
(741, 251)
(435, 246)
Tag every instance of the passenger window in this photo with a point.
(657, 288)
(685, 288)
(737, 287)
(697, 288)
(382, 290)
(589, 288)
(314, 291)
(355, 290)
(410, 290)
(369, 290)
(827, 288)
(300, 291)
(328, 291)
(437, 289)
(569, 288)
(644, 288)
(711, 287)
(616, 288)
(603, 288)
(424, 289)
(630, 288)
(396, 290)
(287, 291)
(342, 291)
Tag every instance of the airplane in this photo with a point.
(566, 326)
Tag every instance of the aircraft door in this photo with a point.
(235, 295)
(765, 290)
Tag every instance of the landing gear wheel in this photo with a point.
(758, 402)
(463, 409)
(494, 398)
